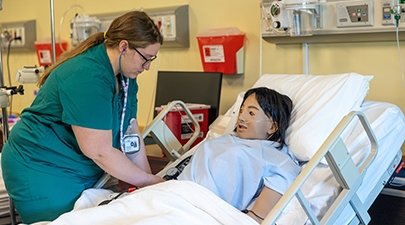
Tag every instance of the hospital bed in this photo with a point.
(350, 148)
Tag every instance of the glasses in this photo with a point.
(146, 59)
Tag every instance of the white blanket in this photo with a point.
(171, 202)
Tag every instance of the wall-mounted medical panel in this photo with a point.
(172, 21)
(334, 21)
(174, 25)
(19, 35)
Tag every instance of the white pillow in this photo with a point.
(320, 102)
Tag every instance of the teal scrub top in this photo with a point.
(82, 92)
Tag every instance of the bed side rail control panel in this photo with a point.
(346, 172)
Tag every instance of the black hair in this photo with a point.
(275, 105)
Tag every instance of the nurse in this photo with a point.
(79, 125)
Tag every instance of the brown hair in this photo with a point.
(136, 27)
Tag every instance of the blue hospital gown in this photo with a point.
(236, 169)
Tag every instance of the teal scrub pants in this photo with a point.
(38, 195)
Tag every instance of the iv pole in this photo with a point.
(305, 58)
(4, 108)
(53, 31)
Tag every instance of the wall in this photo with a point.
(379, 59)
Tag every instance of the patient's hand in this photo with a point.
(267, 199)
(253, 216)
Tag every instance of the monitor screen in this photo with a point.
(190, 87)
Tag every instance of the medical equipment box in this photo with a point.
(222, 50)
(44, 51)
(180, 124)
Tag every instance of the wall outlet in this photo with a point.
(14, 34)
(167, 25)
(21, 34)
(173, 23)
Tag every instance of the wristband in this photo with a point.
(251, 211)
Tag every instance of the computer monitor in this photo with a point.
(190, 87)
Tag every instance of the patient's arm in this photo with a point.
(264, 203)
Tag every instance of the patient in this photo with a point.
(253, 164)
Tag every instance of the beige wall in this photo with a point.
(379, 59)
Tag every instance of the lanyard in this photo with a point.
(130, 142)
(124, 108)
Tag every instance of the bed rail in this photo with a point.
(348, 175)
(164, 137)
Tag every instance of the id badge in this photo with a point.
(131, 143)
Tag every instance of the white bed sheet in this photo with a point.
(171, 202)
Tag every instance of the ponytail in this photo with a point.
(93, 40)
